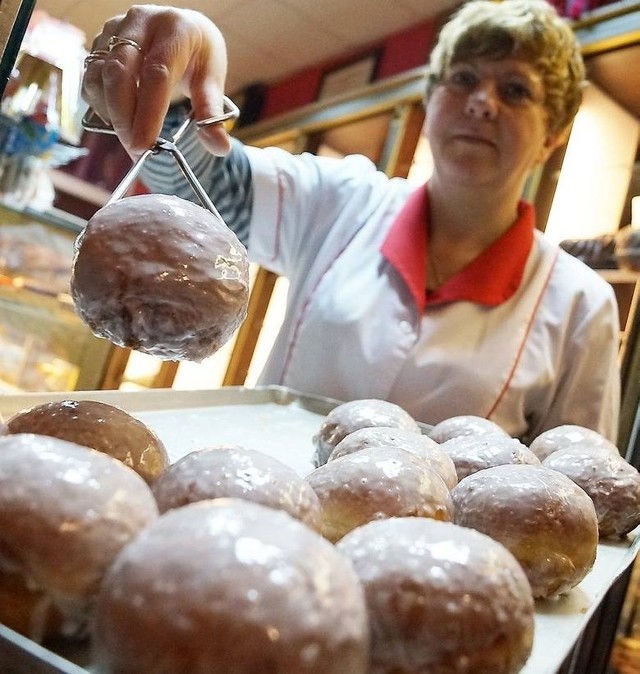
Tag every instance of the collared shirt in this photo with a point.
(489, 279)
(357, 325)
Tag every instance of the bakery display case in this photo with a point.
(44, 346)
(282, 422)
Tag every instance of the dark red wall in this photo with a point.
(399, 52)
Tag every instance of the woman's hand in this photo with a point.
(182, 54)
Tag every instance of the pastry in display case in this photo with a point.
(44, 346)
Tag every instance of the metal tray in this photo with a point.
(281, 422)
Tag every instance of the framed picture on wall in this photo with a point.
(349, 76)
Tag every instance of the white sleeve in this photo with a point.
(588, 387)
(304, 202)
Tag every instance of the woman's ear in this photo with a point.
(553, 142)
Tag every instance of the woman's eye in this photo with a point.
(516, 92)
(466, 79)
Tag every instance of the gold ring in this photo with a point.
(117, 41)
(95, 55)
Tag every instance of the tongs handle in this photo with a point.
(92, 122)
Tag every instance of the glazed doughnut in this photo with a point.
(237, 472)
(385, 436)
(375, 483)
(66, 511)
(463, 424)
(564, 436)
(441, 598)
(540, 515)
(350, 416)
(471, 453)
(98, 425)
(230, 586)
(611, 482)
(27, 610)
(161, 275)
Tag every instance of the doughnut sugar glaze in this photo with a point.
(101, 426)
(66, 511)
(463, 424)
(376, 483)
(353, 415)
(546, 520)
(161, 275)
(612, 483)
(442, 599)
(235, 587)
(568, 435)
(237, 472)
(419, 444)
(471, 453)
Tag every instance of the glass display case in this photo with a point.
(44, 346)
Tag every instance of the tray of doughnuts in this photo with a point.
(291, 428)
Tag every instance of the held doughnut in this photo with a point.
(161, 275)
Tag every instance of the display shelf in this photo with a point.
(626, 286)
(44, 346)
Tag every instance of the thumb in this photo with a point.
(211, 107)
(206, 90)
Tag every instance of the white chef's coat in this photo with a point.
(525, 335)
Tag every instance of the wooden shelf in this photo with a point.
(626, 285)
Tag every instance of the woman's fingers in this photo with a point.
(206, 85)
(92, 86)
(208, 101)
(146, 58)
(120, 75)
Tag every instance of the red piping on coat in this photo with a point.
(507, 383)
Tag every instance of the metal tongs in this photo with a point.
(93, 122)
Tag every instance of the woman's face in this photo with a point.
(487, 124)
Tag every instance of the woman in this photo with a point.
(445, 299)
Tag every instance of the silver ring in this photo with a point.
(95, 55)
(117, 41)
(231, 111)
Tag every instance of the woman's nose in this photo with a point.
(482, 102)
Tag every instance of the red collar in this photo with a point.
(490, 279)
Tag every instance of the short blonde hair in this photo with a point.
(527, 29)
